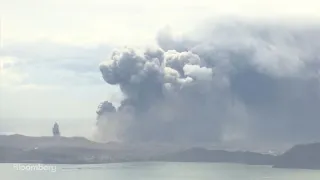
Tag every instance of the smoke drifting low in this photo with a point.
(228, 81)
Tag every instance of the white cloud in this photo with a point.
(129, 22)
(61, 79)
(8, 75)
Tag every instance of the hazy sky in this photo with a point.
(51, 50)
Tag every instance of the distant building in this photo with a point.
(56, 130)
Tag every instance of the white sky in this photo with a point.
(51, 49)
(126, 21)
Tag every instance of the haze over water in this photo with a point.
(163, 171)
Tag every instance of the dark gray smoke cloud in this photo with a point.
(229, 81)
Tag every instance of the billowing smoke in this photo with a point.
(229, 81)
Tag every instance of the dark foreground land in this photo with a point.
(62, 150)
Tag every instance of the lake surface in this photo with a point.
(153, 171)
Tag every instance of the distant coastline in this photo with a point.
(78, 150)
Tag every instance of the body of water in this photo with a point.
(152, 171)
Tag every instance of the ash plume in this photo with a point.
(234, 80)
